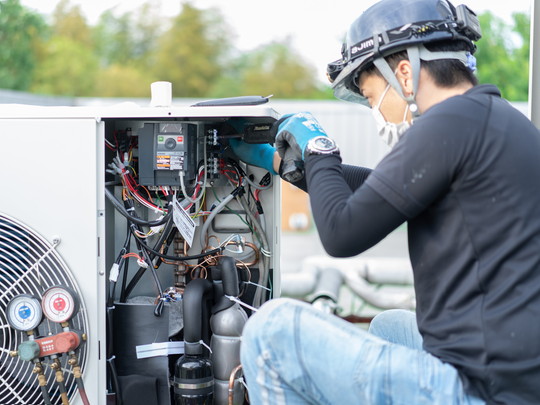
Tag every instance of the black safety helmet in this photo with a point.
(391, 26)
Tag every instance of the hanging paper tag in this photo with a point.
(183, 221)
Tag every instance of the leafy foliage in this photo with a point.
(189, 53)
(122, 54)
(20, 33)
(503, 55)
(67, 64)
(67, 69)
(270, 69)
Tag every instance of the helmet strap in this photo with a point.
(415, 54)
(389, 75)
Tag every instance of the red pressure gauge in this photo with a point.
(60, 304)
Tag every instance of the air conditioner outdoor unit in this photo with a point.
(109, 218)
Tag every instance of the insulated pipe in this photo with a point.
(362, 275)
(375, 270)
(227, 324)
(326, 293)
(534, 66)
(193, 301)
(380, 299)
(193, 376)
(328, 284)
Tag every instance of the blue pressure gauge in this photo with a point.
(24, 312)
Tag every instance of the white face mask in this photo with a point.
(388, 131)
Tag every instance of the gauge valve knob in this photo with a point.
(29, 350)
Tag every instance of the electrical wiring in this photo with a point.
(241, 219)
(122, 210)
(203, 169)
(128, 181)
(213, 214)
(141, 245)
(124, 166)
(140, 260)
(180, 258)
(264, 263)
(145, 235)
(264, 184)
(257, 230)
(132, 187)
(110, 145)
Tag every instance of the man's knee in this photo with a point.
(266, 329)
(390, 320)
(269, 318)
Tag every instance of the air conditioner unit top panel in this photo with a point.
(131, 110)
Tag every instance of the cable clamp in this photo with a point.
(240, 302)
(265, 252)
(258, 285)
(201, 342)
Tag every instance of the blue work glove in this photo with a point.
(294, 134)
(256, 154)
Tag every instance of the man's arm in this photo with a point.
(354, 176)
(349, 221)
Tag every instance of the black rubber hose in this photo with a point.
(45, 395)
(125, 265)
(115, 382)
(82, 391)
(229, 276)
(193, 302)
(135, 279)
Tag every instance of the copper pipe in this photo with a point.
(231, 383)
(254, 248)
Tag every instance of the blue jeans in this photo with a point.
(294, 354)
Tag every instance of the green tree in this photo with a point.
(190, 53)
(68, 64)
(69, 22)
(68, 69)
(503, 54)
(120, 80)
(20, 35)
(275, 69)
(129, 38)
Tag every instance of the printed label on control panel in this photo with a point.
(170, 161)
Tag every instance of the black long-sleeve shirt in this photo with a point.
(466, 178)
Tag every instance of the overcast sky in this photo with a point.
(315, 28)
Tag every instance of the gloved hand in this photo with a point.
(294, 134)
(256, 154)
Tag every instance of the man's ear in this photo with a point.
(404, 75)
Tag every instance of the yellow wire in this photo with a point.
(201, 203)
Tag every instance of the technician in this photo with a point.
(464, 172)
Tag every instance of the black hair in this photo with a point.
(445, 72)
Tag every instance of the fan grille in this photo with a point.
(29, 264)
